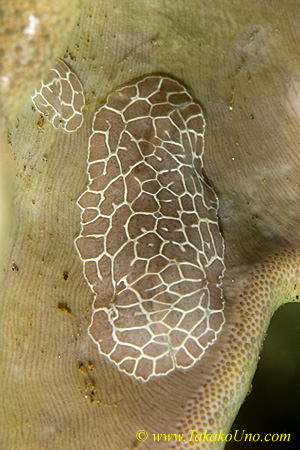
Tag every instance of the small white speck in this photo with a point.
(4, 80)
(30, 29)
(230, 108)
(58, 356)
(232, 158)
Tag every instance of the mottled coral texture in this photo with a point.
(274, 282)
(33, 33)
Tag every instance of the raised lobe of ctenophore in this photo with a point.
(150, 242)
(60, 98)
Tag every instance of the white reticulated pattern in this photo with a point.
(150, 242)
(60, 98)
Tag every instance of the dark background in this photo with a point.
(274, 403)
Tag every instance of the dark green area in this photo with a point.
(274, 404)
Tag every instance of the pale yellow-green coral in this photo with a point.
(33, 34)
